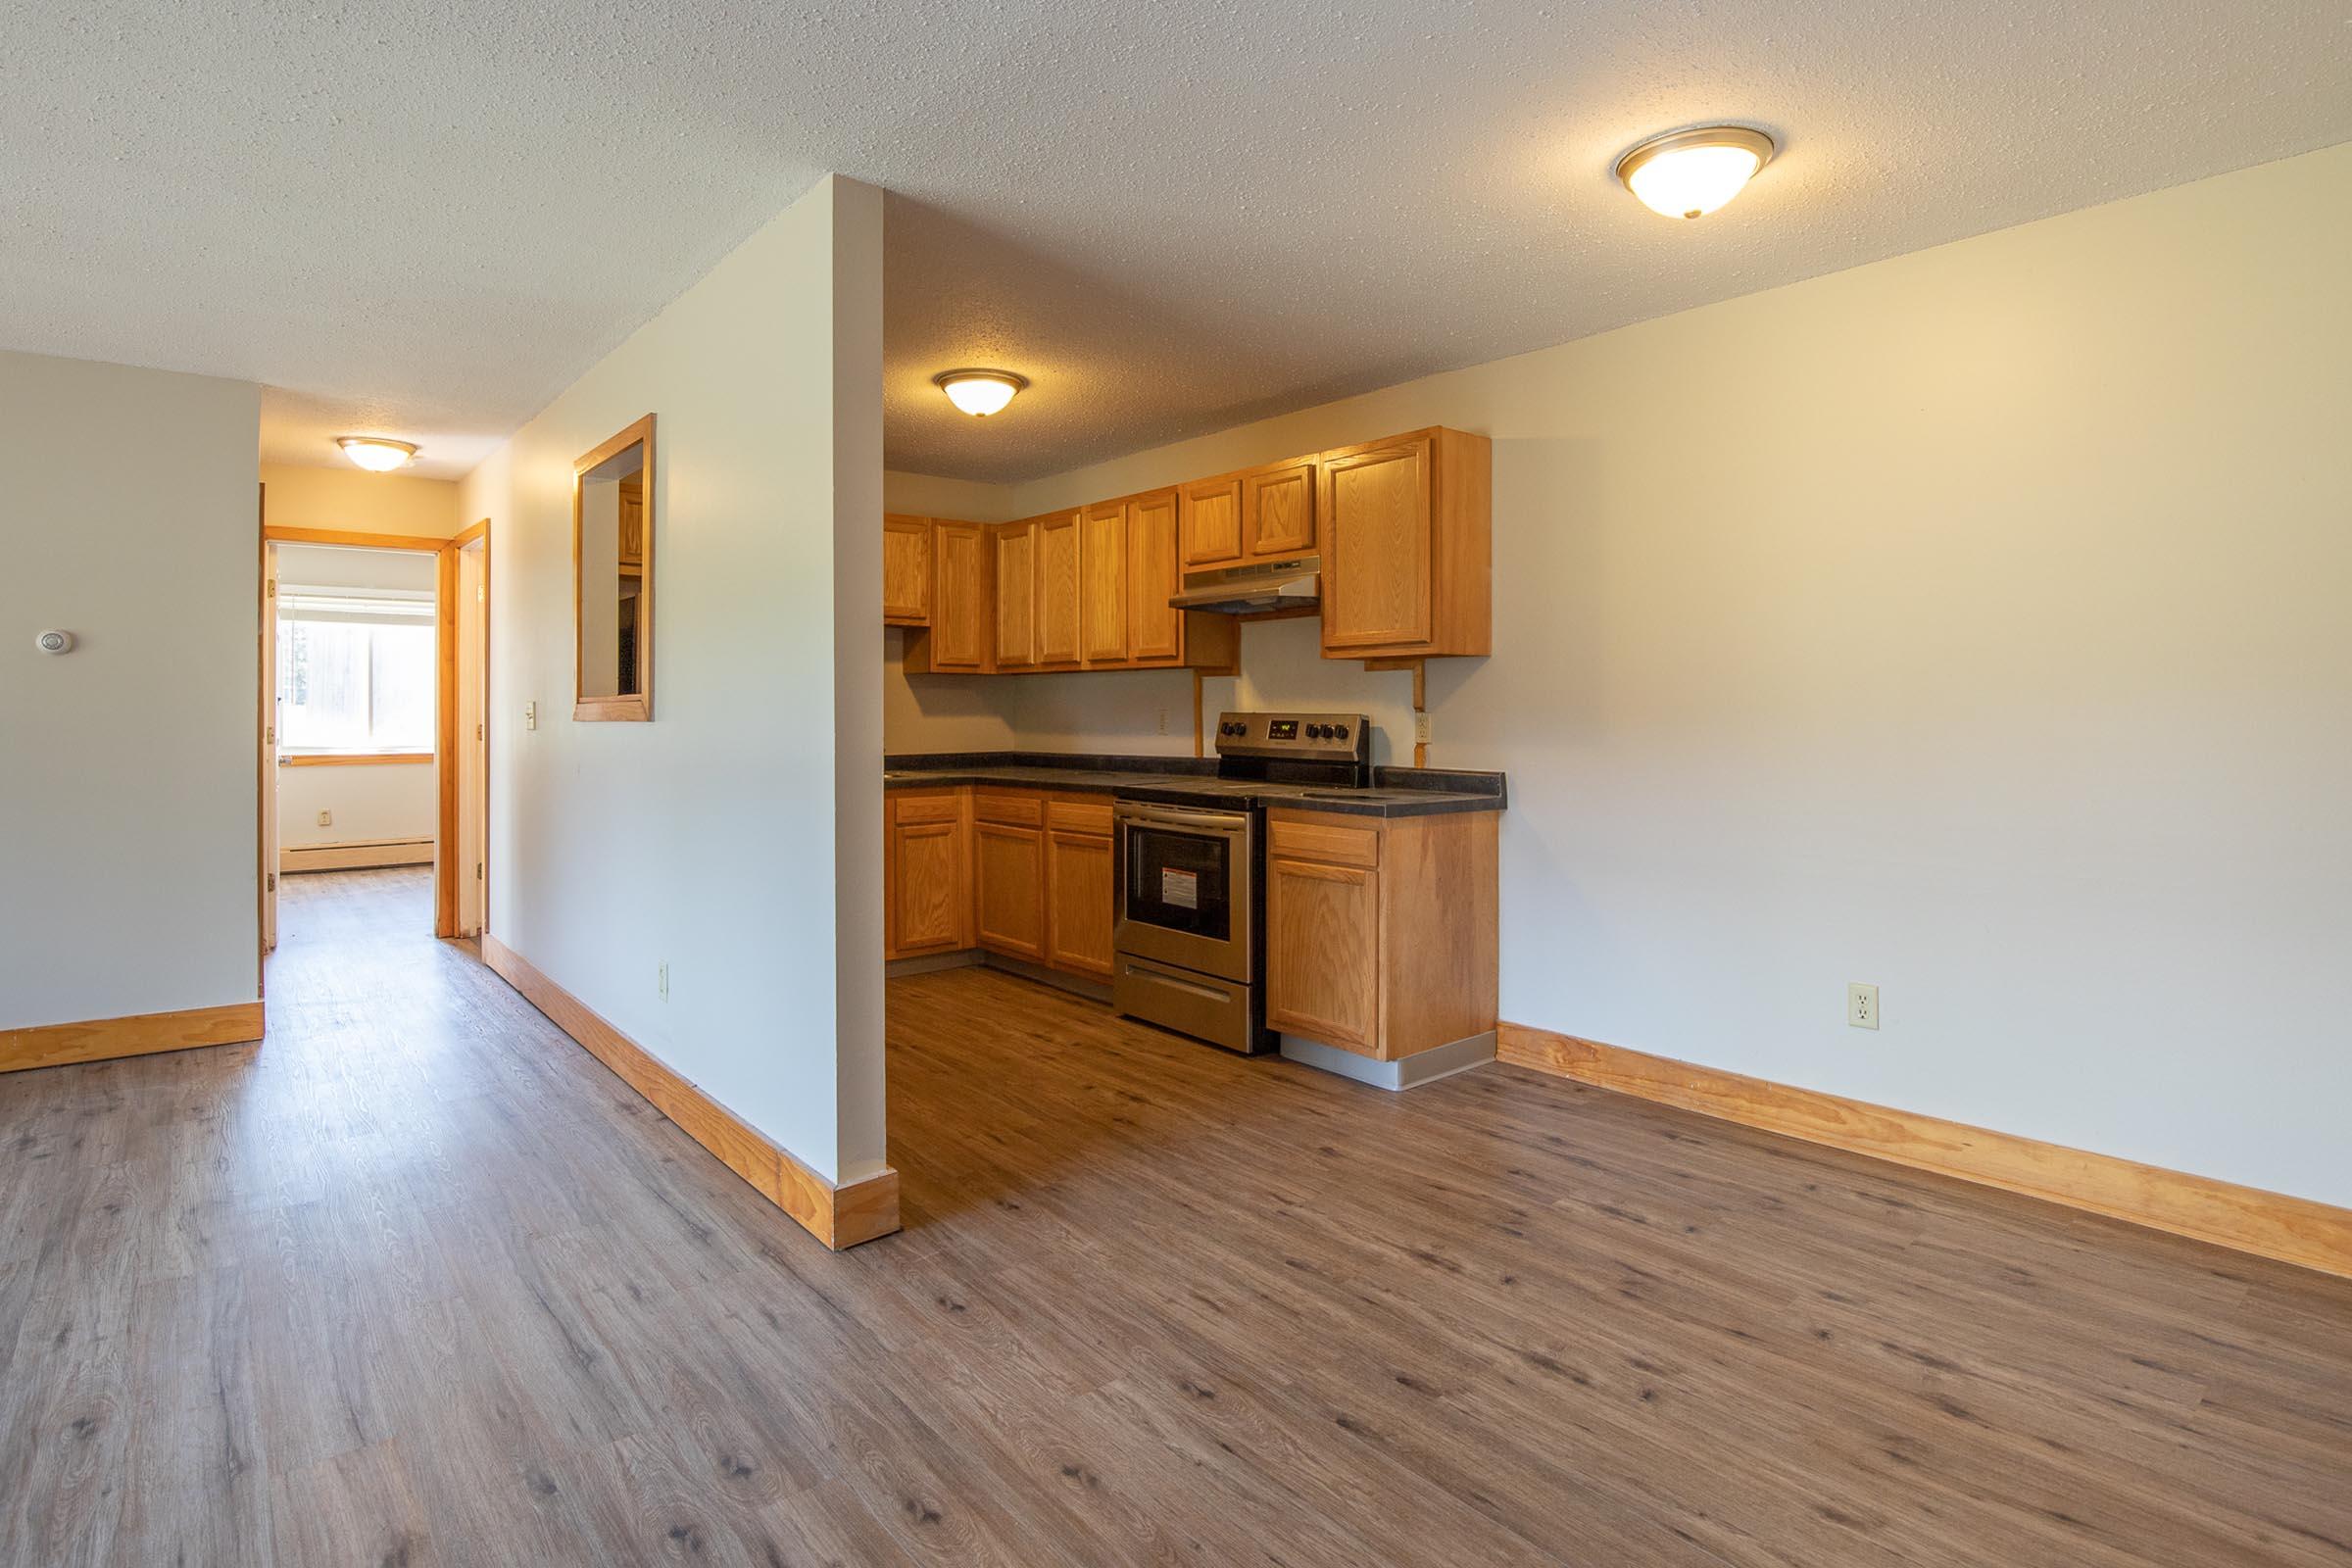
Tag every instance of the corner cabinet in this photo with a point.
(1406, 547)
(1027, 873)
(1381, 933)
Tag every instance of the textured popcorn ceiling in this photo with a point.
(424, 221)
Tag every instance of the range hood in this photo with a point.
(1293, 584)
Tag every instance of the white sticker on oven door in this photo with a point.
(1180, 890)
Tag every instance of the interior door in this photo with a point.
(270, 718)
(471, 863)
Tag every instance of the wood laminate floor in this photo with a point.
(419, 1282)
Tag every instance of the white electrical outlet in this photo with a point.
(1163, 721)
(662, 979)
(326, 820)
(1862, 1005)
(1421, 730)
(530, 715)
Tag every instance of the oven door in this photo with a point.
(1185, 887)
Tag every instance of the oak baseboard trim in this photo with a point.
(838, 1217)
(2246, 1220)
(58, 1045)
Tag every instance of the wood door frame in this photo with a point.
(446, 740)
(445, 716)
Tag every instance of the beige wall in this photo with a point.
(719, 838)
(351, 500)
(1977, 623)
(127, 852)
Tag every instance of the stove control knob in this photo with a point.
(1338, 732)
(1316, 732)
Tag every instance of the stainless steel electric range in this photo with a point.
(1191, 934)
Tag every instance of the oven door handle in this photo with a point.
(1209, 821)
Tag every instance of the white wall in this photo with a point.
(344, 497)
(1977, 623)
(708, 837)
(368, 802)
(127, 852)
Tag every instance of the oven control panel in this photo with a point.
(1332, 737)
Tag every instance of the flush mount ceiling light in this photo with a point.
(979, 392)
(1688, 174)
(376, 453)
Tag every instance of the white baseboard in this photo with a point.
(354, 856)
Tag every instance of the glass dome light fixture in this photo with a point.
(1690, 174)
(979, 393)
(376, 453)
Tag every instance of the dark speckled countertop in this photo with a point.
(1193, 781)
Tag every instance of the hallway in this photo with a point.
(418, 1282)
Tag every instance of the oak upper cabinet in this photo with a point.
(1406, 547)
(1009, 872)
(961, 627)
(1056, 568)
(905, 570)
(927, 904)
(1381, 933)
(1210, 512)
(1078, 886)
(1015, 561)
(1105, 590)
(1278, 511)
(1155, 630)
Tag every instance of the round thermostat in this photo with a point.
(54, 641)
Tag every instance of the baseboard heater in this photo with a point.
(355, 855)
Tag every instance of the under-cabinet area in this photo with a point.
(1352, 928)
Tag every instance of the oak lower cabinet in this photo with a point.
(1381, 933)
(1009, 872)
(926, 867)
(1079, 886)
(1027, 873)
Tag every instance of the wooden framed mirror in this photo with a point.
(613, 578)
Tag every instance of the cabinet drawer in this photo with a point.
(1079, 816)
(926, 808)
(1014, 810)
(1324, 839)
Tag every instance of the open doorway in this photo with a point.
(375, 655)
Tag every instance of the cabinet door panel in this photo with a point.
(1058, 590)
(1102, 583)
(1211, 517)
(1155, 631)
(906, 571)
(1377, 547)
(1078, 897)
(1278, 511)
(959, 621)
(926, 888)
(1016, 595)
(1009, 865)
(1322, 952)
